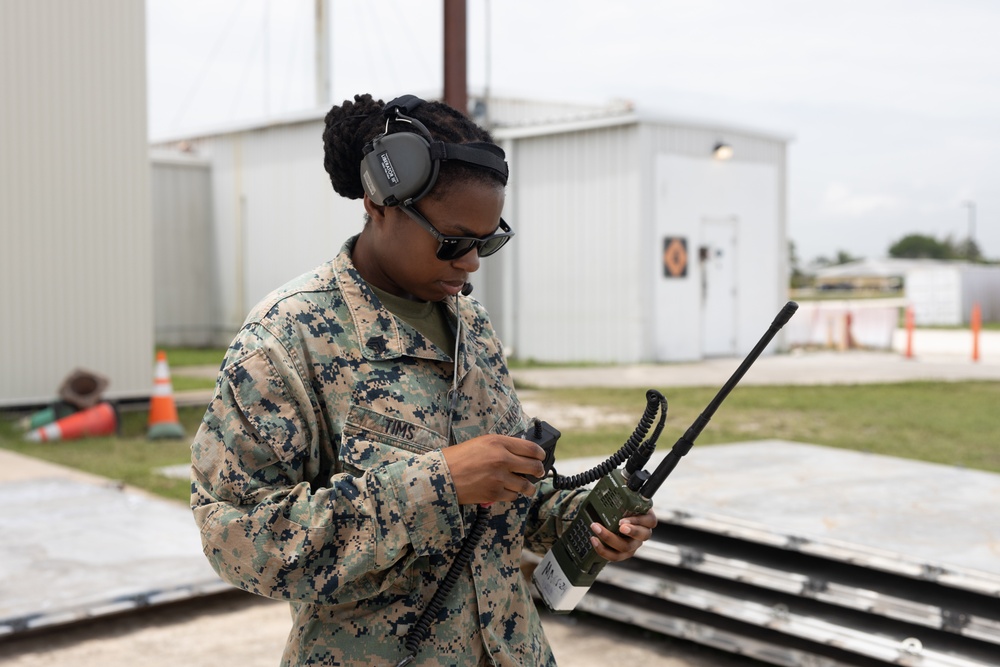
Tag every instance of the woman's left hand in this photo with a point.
(634, 530)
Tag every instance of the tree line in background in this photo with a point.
(911, 246)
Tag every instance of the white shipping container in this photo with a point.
(74, 198)
(945, 294)
(981, 286)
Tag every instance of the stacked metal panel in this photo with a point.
(918, 586)
(79, 550)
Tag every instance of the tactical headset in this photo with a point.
(402, 167)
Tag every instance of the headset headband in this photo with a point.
(472, 152)
(403, 167)
(405, 102)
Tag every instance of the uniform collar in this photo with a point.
(381, 336)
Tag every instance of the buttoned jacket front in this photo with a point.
(318, 478)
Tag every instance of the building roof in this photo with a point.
(512, 118)
(882, 268)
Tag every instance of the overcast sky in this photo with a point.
(893, 105)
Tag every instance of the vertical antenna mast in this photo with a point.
(489, 65)
(322, 29)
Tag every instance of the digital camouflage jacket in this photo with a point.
(318, 478)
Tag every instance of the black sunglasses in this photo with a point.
(453, 247)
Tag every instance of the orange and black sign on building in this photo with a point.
(675, 257)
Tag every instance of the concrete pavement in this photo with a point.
(89, 548)
(943, 355)
(797, 368)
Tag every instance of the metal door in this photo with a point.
(717, 259)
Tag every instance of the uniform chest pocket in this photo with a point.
(371, 440)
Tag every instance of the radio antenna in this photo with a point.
(686, 441)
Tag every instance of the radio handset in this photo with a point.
(543, 435)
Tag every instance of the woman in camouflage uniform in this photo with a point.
(364, 411)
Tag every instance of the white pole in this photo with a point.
(322, 54)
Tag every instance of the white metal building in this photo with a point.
(633, 242)
(75, 285)
(636, 244)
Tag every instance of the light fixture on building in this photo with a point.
(722, 151)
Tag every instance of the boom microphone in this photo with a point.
(467, 289)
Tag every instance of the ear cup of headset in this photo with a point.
(398, 167)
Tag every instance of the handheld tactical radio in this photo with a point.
(571, 566)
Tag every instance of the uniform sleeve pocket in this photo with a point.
(263, 398)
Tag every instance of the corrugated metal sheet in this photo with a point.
(74, 197)
(862, 558)
(186, 296)
(577, 265)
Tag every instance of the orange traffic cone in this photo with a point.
(102, 419)
(163, 421)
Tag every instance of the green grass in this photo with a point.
(949, 423)
(129, 457)
(182, 358)
(179, 357)
(985, 326)
(517, 363)
(181, 382)
(812, 294)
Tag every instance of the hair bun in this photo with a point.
(347, 129)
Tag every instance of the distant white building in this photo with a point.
(941, 292)
(946, 294)
(634, 243)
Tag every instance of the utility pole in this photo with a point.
(969, 245)
(322, 28)
(456, 87)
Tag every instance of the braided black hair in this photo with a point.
(351, 125)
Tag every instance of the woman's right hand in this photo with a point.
(489, 468)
